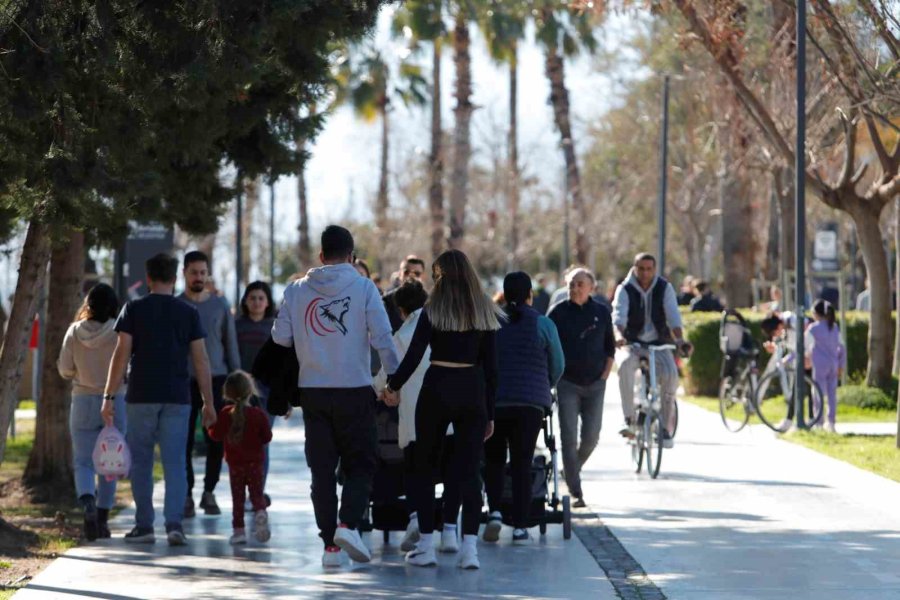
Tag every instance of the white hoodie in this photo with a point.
(85, 354)
(331, 316)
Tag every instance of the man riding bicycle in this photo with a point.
(645, 310)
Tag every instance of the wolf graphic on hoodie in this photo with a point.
(331, 317)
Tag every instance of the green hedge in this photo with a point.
(866, 397)
(702, 330)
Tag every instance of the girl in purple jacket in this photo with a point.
(826, 354)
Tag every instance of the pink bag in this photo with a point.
(112, 457)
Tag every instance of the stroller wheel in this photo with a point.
(387, 537)
(567, 517)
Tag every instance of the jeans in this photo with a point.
(166, 424)
(585, 401)
(628, 361)
(340, 426)
(85, 424)
(215, 451)
(516, 428)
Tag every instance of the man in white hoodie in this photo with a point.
(331, 317)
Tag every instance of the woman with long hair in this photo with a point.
(530, 363)
(84, 358)
(459, 324)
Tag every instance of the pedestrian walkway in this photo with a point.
(746, 515)
(289, 565)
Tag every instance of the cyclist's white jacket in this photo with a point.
(620, 307)
(331, 316)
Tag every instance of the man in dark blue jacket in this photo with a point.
(586, 332)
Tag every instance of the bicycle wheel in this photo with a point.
(654, 444)
(773, 402)
(733, 403)
(637, 445)
(674, 418)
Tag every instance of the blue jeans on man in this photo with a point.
(167, 425)
(85, 424)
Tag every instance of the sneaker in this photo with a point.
(189, 511)
(667, 441)
(829, 427)
(468, 557)
(784, 425)
(421, 557)
(261, 531)
(209, 505)
(268, 500)
(140, 535)
(626, 430)
(175, 536)
(333, 557)
(449, 540)
(91, 526)
(520, 537)
(411, 536)
(349, 541)
(238, 537)
(493, 527)
(579, 502)
(103, 531)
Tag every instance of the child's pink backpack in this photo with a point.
(112, 457)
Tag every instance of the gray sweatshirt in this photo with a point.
(331, 317)
(221, 338)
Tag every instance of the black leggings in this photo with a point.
(516, 428)
(450, 499)
(450, 395)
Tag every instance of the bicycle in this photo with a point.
(740, 373)
(776, 387)
(649, 425)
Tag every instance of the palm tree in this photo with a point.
(503, 26)
(462, 145)
(564, 33)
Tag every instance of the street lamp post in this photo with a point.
(663, 179)
(800, 205)
(239, 238)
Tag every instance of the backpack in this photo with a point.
(112, 458)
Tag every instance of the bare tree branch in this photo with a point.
(889, 38)
(849, 149)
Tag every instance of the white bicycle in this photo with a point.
(649, 426)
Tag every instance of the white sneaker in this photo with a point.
(421, 557)
(449, 541)
(468, 557)
(829, 427)
(411, 537)
(493, 527)
(238, 537)
(333, 558)
(262, 531)
(784, 425)
(349, 541)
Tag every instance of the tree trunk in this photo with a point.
(896, 369)
(774, 236)
(559, 99)
(737, 239)
(381, 202)
(462, 149)
(49, 467)
(207, 245)
(252, 188)
(32, 271)
(304, 247)
(872, 246)
(513, 261)
(784, 179)
(436, 159)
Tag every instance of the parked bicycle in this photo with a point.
(774, 397)
(648, 439)
(739, 374)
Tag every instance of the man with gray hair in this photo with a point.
(645, 309)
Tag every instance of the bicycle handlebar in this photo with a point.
(653, 347)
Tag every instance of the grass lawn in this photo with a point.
(877, 454)
(846, 414)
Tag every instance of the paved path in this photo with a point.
(747, 515)
(289, 565)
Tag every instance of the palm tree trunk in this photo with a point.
(304, 246)
(436, 160)
(381, 203)
(559, 99)
(251, 201)
(462, 149)
(49, 465)
(32, 271)
(513, 157)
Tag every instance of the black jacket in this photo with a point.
(277, 368)
(586, 333)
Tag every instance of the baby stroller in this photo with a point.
(546, 504)
(737, 387)
(735, 342)
(388, 509)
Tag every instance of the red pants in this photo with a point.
(243, 476)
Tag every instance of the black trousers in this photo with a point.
(515, 428)
(450, 395)
(340, 427)
(214, 450)
(450, 501)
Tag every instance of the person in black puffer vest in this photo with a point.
(530, 362)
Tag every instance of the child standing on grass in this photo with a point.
(826, 355)
(245, 431)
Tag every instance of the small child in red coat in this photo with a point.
(245, 431)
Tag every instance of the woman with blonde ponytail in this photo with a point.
(459, 323)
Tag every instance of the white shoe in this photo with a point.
(829, 427)
(784, 425)
(333, 558)
(349, 541)
(421, 557)
(411, 537)
(521, 537)
(262, 531)
(493, 527)
(449, 541)
(468, 557)
(238, 537)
